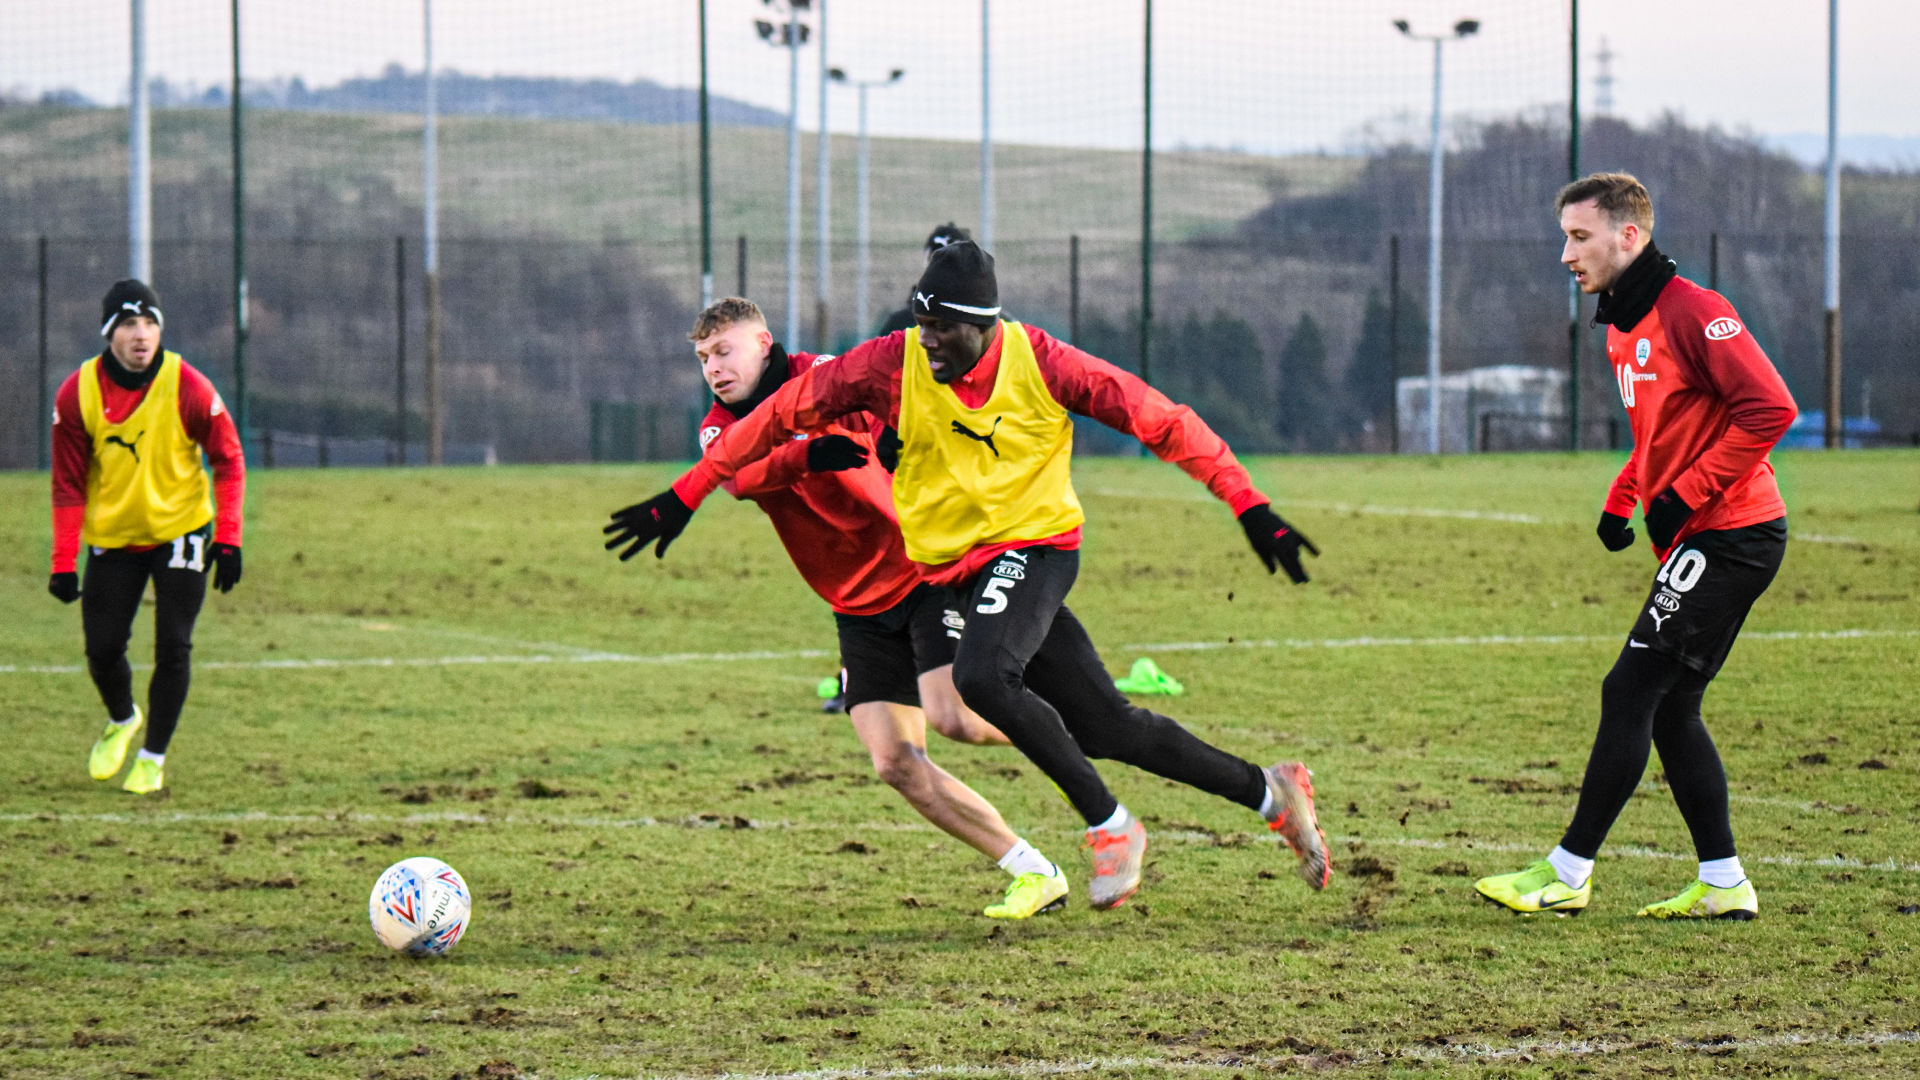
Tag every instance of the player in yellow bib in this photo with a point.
(129, 431)
(984, 494)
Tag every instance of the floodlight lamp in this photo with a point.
(837, 74)
(765, 28)
(895, 75)
(1467, 27)
(1401, 25)
(800, 5)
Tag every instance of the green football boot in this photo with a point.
(1031, 894)
(1536, 889)
(145, 778)
(1703, 901)
(111, 751)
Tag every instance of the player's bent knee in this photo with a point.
(901, 766)
(987, 688)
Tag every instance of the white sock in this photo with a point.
(1115, 823)
(1722, 873)
(157, 759)
(1573, 870)
(1266, 805)
(128, 720)
(1021, 858)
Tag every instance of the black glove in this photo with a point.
(1276, 542)
(887, 448)
(1614, 532)
(659, 518)
(1664, 517)
(832, 453)
(226, 566)
(64, 587)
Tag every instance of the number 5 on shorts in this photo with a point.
(993, 596)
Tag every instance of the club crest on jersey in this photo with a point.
(1641, 351)
(1723, 328)
(707, 435)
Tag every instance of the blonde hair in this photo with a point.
(1620, 196)
(722, 314)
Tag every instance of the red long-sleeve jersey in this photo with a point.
(203, 415)
(1705, 405)
(867, 379)
(838, 527)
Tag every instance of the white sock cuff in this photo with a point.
(1573, 870)
(1266, 805)
(1115, 823)
(1024, 858)
(148, 755)
(1722, 873)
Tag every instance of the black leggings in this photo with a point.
(115, 581)
(1026, 665)
(1652, 698)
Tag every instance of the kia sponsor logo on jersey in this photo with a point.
(1008, 570)
(1723, 328)
(1666, 601)
(707, 435)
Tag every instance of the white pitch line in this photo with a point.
(1336, 507)
(1224, 1061)
(1375, 510)
(725, 821)
(322, 663)
(1488, 639)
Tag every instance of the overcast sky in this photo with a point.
(1257, 74)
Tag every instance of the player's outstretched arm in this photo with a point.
(657, 521)
(1277, 543)
(1090, 386)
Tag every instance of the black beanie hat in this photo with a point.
(943, 235)
(958, 285)
(129, 297)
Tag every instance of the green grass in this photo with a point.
(723, 886)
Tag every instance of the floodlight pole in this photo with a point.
(1573, 286)
(430, 225)
(863, 223)
(706, 172)
(1146, 199)
(1835, 432)
(823, 245)
(792, 336)
(1435, 183)
(139, 154)
(986, 130)
(239, 243)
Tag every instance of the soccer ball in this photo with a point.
(420, 906)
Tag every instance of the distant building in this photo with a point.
(1509, 407)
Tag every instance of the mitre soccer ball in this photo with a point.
(420, 907)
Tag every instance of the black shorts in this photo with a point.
(1702, 594)
(885, 654)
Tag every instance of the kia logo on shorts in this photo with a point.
(1667, 603)
(1722, 328)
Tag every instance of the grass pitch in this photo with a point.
(681, 867)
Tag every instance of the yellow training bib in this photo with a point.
(146, 485)
(970, 477)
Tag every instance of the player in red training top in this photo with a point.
(831, 506)
(986, 506)
(129, 429)
(1706, 406)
